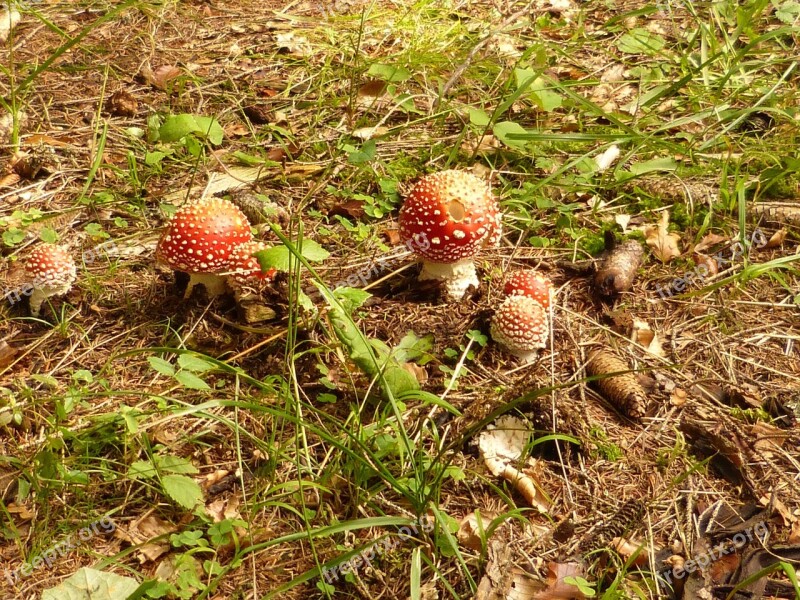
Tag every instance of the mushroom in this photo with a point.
(244, 268)
(51, 272)
(446, 219)
(529, 283)
(199, 241)
(521, 326)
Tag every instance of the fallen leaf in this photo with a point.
(291, 43)
(7, 353)
(643, 335)
(142, 531)
(622, 221)
(236, 130)
(472, 527)
(627, 548)
(373, 88)
(665, 245)
(708, 263)
(352, 209)
(9, 180)
(257, 115)
(776, 240)
(711, 239)
(367, 133)
(557, 588)
(392, 236)
(160, 76)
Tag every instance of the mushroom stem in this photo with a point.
(214, 284)
(526, 357)
(457, 276)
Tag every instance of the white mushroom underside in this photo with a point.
(457, 276)
(214, 284)
(42, 292)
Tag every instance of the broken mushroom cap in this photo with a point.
(529, 283)
(521, 326)
(244, 268)
(199, 241)
(446, 219)
(51, 271)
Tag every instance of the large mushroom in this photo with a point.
(521, 326)
(446, 219)
(51, 271)
(529, 283)
(200, 239)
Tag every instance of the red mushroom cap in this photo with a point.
(449, 216)
(200, 237)
(520, 325)
(529, 283)
(49, 265)
(51, 272)
(244, 266)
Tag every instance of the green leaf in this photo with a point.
(478, 117)
(142, 468)
(183, 490)
(656, 164)
(364, 155)
(48, 236)
(177, 127)
(388, 72)
(412, 347)
(504, 128)
(161, 365)
(189, 380)
(193, 363)
(47, 380)
(538, 88)
(13, 236)
(91, 584)
(176, 464)
(640, 41)
(351, 298)
(278, 257)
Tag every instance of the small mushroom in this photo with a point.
(51, 271)
(446, 219)
(521, 326)
(200, 239)
(529, 283)
(244, 268)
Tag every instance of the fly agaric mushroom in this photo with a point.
(244, 268)
(199, 241)
(51, 271)
(529, 283)
(521, 326)
(446, 219)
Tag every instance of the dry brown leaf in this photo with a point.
(794, 536)
(373, 88)
(367, 133)
(392, 236)
(557, 588)
(143, 530)
(160, 76)
(258, 115)
(708, 263)
(9, 180)
(769, 437)
(351, 209)
(711, 239)
(627, 548)
(122, 104)
(7, 353)
(222, 509)
(776, 240)
(471, 528)
(236, 130)
(665, 245)
(643, 335)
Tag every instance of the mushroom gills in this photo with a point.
(457, 276)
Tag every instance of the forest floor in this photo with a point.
(198, 448)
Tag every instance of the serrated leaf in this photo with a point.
(176, 464)
(183, 490)
(161, 365)
(278, 257)
(365, 154)
(640, 41)
(189, 380)
(388, 72)
(142, 468)
(503, 129)
(48, 236)
(91, 584)
(193, 363)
